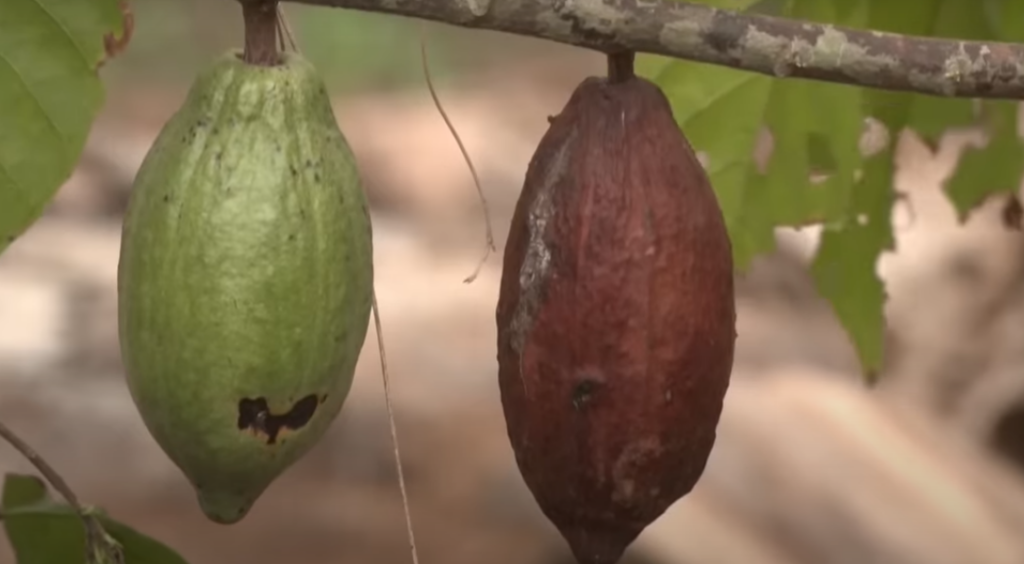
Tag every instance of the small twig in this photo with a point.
(394, 430)
(285, 30)
(100, 547)
(44, 468)
(465, 154)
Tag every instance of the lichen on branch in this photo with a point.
(774, 46)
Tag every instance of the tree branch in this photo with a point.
(773, 46)
(100, 547)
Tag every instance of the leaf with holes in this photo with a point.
(815, 172)
(991, 170)
(844, 268)
(997, 167)
(50, 93)
(814, 128)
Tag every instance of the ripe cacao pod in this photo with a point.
(245, 279)
(616, 318)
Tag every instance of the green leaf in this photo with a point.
(844, 268)
(993, 169)
(815, 128)
(721, 111)
(998, 166)
(932, 116)
(42, 531)
(1006, 18)
(50, 94)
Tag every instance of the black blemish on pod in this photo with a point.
(254, 415)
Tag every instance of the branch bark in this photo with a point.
(778, 47)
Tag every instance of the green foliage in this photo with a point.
(49, 95)
(43, 531)
(816, 173)
(998, 166)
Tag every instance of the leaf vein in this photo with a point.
(67, 32)
(66, 141)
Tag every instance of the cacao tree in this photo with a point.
(811, 73)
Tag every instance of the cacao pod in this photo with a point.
(616, 318)
(245, 279)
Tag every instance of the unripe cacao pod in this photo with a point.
(245, 279)
(616, 318)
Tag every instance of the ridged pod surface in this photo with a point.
(616, 318)
(245, 279)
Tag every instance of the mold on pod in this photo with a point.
(616, 317)
(245, 279)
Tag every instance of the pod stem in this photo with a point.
(261, 24)
(620, 66)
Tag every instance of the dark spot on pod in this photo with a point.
(583, 393)
(291, 236)
(167, 198)
(217, 156)
(254, 415)
(294, 172)
(316, 177)
(309, 163)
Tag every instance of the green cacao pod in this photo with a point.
(245, 279)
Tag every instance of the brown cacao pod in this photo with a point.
(616, 318)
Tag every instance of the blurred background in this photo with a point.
(811, 466)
